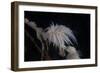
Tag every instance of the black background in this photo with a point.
(78, 23)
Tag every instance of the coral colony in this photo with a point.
(59, 36)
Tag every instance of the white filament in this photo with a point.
(59, 35)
